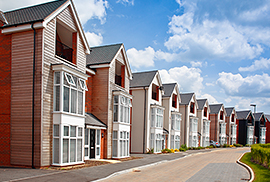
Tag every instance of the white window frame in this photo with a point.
(123, 106)
(157, 117)
(122, 144)
(83, 84)
(72, 82)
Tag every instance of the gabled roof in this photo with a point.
(31, 14)
(243, 114)
(92, 120)
(201, 103)
(142, 79)
(102, 54)
(186, 98)
(215, 108)
(168, 89)
(229, 110)
(258, 116)
(267, 116)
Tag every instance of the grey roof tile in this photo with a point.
(142, 79)
(168, 89)
(31, 14)
(229, 110)
(201, 103)
(215, 108)
(258, 116)
(102, 54)
(267, 116)
(243, 114)
(92, 120)
(186, 98)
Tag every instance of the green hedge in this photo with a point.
(261, 154)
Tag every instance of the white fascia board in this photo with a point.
(95, 127)
(119, 92)
(101, 66)
(21, 28)
(63, 67)
(138, 88)
(90, 71)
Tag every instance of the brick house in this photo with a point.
(267, 124)
(218, 124)
(42, 82)
(231, 126)
(203, 122)
(245, 130)
(260, 127)
(189, 124)
(172, 116)
(108, 99)
(147, 130)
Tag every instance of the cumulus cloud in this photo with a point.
(141, 58)
(94, 39)
(209, 84)
(263, 63)
(196, 64)
(189, 79)
(250, 86)
(210, 98)
(15, 4)
(126, 2)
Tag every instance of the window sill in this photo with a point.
(67, 113)
(121, 123)
(66, 61)
(67, 164)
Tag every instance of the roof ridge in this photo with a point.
(145, 71)
(108, 45)
(19, 9)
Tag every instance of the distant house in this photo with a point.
(231, 126)
(172, 116)
(260, 127)
(203, 122)
(267, 125)
(189, 124)
(43, 81)
(245, 122)
(108, 101)
(218, 124)
(147, 130)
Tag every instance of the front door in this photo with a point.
(92, 143)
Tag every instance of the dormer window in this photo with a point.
(221, 115)
(205, 112)
(192, 106)
(232, 118)
(66, 43)
(119, 74)
(174, 101)
(155, 92)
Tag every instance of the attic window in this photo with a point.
(119, 74)
(192, 106)
(221, 115)
(174, 101)
(232, 118)
(66, 43)
(155, 92)
(205, 112)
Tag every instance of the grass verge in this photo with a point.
(261, 173)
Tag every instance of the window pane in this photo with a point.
(80, 102)
(56, 102)
(80, 131)
(98, 137)
(65, 150)
(115, 113)
(79, 150)
(73, 150)
(114, 148)
(73, 101)
(57, 78)
(56, 130)
(86, 137)
(85, 152)
(115, 135)
(116, 99)
(66, 130)
(66, 99)
(56, 150)
(73, 131)
(98, 150)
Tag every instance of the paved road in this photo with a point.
(98, 172)
(216, 166)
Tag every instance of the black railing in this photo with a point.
(64, 51)
(118, 80)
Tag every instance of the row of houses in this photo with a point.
(63, 102)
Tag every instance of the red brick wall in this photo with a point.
(267, 124)
(213, 127)
(74, 47)
(88, 95)
(5, 92)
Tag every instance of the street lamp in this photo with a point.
(253, 105)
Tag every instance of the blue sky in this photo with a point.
(217, 49)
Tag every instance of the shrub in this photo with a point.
(210, 146)
(150, 151)
(184, 146)
(166, 151)
(225, 145)
(232, 146)
(247, 145)
(176, 150)
(182, 149)
(238, 145)
(172, 151)
(261, 154)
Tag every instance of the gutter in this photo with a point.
(144, 117)
(33, 97)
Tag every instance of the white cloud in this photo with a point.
(94, 39)
(189, 79)
(209, 84)
(126, 2)
(210, 98)
(228, 100)
(196, 64)
(255, 14)
(250, 86)
(87, 9)
(263, 63)
(141, 58)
